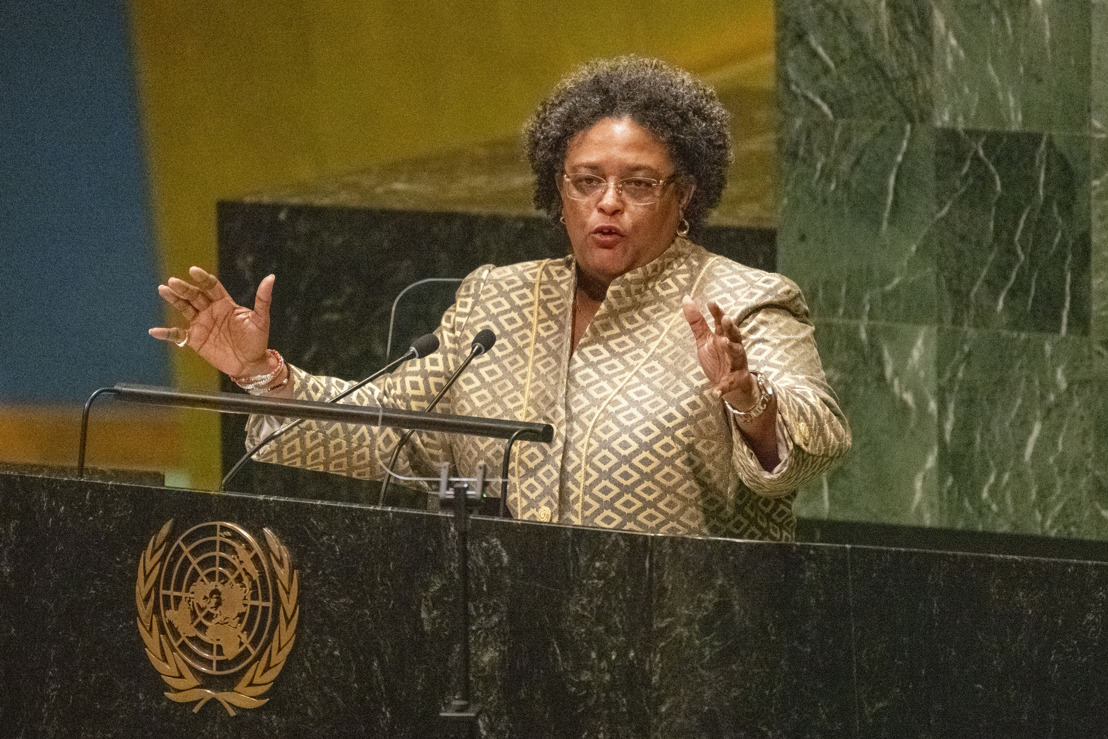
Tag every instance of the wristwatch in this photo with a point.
(765, 395)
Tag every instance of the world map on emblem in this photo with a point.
(216, 598)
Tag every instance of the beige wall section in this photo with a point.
(248, 95)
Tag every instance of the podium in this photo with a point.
(575, 631)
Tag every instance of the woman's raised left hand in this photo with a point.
(722, 357)
(721, 354)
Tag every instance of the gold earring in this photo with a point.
(562, 218)
(683, 228)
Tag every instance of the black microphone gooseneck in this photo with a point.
(421, 347)
(482, 343)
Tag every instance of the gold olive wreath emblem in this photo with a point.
(206, 605)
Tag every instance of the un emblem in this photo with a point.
(213, 605)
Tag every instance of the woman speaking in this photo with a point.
(685, 389)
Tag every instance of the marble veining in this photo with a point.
(885, 375)
(758, 640)
(856, 231)
(1020, 418)
(913, 675)
(1099, 239)
(1012, 66)
(1098, 124)
(962, 212)
(879, 48)
(1015, 249)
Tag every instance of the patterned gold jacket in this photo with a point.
(639, 441)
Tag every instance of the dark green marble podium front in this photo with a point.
(575, 632)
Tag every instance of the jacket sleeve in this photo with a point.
(363, 451)
(780, 343)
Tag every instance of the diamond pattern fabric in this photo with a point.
(639, 441)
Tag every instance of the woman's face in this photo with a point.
(610, 236)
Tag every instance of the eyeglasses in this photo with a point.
(636, 190)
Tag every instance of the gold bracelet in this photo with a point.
(765, 395)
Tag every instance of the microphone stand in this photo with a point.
(459, 716)
(481, 344)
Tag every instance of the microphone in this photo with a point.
(421, 347)
(424, 345)
(481, 344)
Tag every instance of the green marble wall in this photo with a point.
(944, 206)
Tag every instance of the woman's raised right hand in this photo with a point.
(231, 338)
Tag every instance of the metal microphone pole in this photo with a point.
(482, 342)
(459, 717)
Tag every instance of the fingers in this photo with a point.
(207, 283)
(720, 348)
(264, 298)
(695, 319)
(178, 336)
(189, 298)
(186, 298)
(178, 301)
(730, 330)
(725, 327)
(717, 314)
(195, 297)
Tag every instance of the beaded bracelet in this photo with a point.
(278, 386)
(260, 384)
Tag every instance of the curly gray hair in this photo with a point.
(682, 112)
